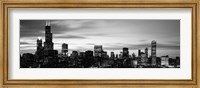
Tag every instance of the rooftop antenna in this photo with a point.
(47, 22)
(39, 38)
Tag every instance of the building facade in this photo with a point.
(64, 49)
(125, 52)
(112, 55)
(164, 60)
(153, 52)
(146, 52)
(98, 50)
(39, 44)
(48, 44)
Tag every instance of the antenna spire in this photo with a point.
(48, 22)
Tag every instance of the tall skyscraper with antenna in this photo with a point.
(48, 44)
(50, 55)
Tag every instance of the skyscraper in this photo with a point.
(143, 59)
(39, 44)
(153, 52)
(117, 56)
(120, 55)
(48, 44)
(39, 52)
(64, 49)
(177, 62)
(125, 52)
(112, 55)
(139, 52)
(133, 55)
(146, 52)
(74, 55)
(104, 54)
(89, 60)
(98, 50)
(165, 60)
(50, 55)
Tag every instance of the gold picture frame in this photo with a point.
(7, 4)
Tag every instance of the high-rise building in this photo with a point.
(165, 60)
(146, 52)
(117, 56)
(153, 52)
(39, 54)
(158, 61)
(172, 62)
(89, 60)
(112, 55)
(74, 54)
(89, 53)
(50, 58)
(39, 44)
(64, 49)
(177, 62)
(133, 55)
(120, 55)
(139, 53)
(50, 55)
(125, 52)
(82, 54)
(104, 54)
(144, 59)
(27, 60)
(81, 58)
(98, 50)
(48, 44)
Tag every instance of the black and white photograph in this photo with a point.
(100, 43)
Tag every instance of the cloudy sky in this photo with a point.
(82, 35)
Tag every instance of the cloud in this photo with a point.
(160, 46)
(90, 44)
(25, 34)
(174, 42)
(35, 28)
(27, 46)
(24, 43)
(31, 28)
(59, 44)
(80, 48)
(112, 48)
(168, 46)
(72, 23)
(69, 36)
(95, 34)
(64, 26)
(143, 40)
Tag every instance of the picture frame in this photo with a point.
(147, 83)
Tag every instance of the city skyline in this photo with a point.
(82, 35)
